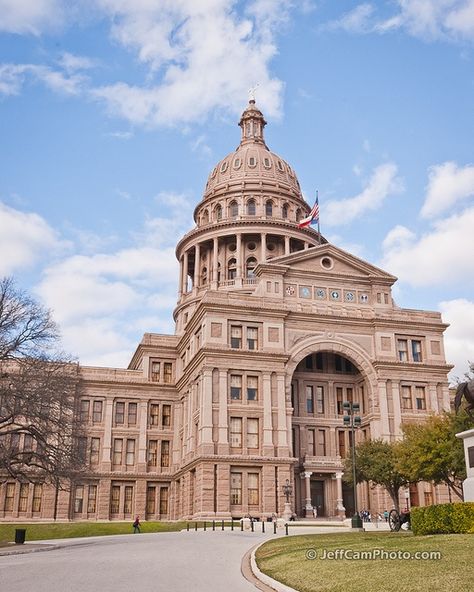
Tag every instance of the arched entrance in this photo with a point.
(322, 376)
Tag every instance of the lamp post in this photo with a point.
(352, 420)
(287, 491)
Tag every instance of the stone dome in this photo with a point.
(252, 160)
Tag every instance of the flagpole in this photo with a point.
(319, 229)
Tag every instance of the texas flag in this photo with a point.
(313, 217)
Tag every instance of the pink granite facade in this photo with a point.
(275, 328)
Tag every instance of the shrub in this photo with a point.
(443, 519)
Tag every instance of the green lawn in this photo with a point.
(36, 532)
(286, 560)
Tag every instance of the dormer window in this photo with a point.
(237, 163)
(280, 166)
(267, 163)
(252, 161)
(224, 167)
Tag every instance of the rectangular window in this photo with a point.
(402, 347)
(167, 372)
(319, 399)
(150, 500)
(252, 433)
(92, 499)
(15, 443)
(341, 441)
(82, 449)
(128, 499)
(132, 414)
(78, 499)
(84, 411)
(155, 371)
(339, 401)
(152, 453)
(117, 452)
(130, 456)
(119, 413)
(253, 489)
(309, 399)
(235, 387)
(95, 449)
(28, 443)
(311, 450)
(115, 499)
(163, 501)
(235, 337)
(236, 432)
(154, 414)
(406, 398)
(166, 419)
(420, 398)
(97, 412)
(236, 489)
(9, 497)
(37, 497)
(165, 453)
(252, 388)
(321, 447)
(252, 338)
(416, 350)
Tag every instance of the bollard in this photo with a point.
(187, 526)
(195, 526)
(241, 525)
(204, 526)
(274, 528)
(286, 529)
(223, 525)
(213, 525)
(251, 525)
(232, 524)
(263, 525)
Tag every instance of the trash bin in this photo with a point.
(20, 535)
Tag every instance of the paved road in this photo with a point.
(172, 562)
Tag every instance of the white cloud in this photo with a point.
(206, 56)
(440, 256)
(24, 238)
(426, 19)
(459, 337)
(29, 16)
(383, 182)
(448, 183)
(13, 76)
(72, 63)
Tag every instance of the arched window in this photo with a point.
(250, 267)
(269, 208)
(233, 209)
(284, 211)
(218, 212)
(298, 215)
(205, 217)
(232, 269)
(218, 272)
(251, 210)
(204, 276)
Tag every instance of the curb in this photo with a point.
(5, 551)
(267, 581)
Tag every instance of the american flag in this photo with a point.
(312, 218)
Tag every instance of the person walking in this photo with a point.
(136, 525)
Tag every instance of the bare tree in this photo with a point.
(40, 432)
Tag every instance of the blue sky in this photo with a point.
(113, 113)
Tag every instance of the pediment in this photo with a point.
(328, 260)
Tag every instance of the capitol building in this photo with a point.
(275, 329)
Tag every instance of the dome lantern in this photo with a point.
(252, 123)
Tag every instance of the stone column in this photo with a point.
(185, 273)
(238, 255)
(268, 448)
(223, 440)
(197, 265)
(383, 410)
(397, 410)
(340, 509)
(107, 442)
(180, 288)
(282, 426)
(215, 248)
(263, 240)
(287, 245)
(308, 505)
(433, 398)
(207, 445)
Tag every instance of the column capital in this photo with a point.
(307, 474)
(339, 474)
